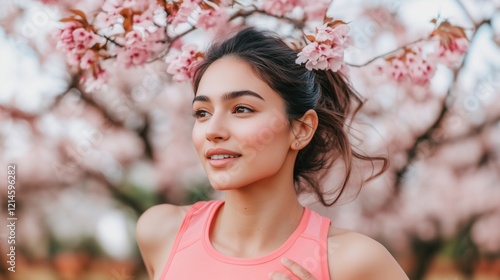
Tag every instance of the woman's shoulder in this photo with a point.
(161, 219)
(352, 255)
(155, 233)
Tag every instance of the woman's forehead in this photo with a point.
(231, 74)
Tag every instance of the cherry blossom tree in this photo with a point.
(123, 111)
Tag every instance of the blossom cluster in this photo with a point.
(326, 49)
(135, 32)
(411, 66)
(418, 67)
(182, 65)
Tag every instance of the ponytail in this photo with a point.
(331, 140)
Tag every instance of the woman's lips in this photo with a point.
(222, 162)
(220, 157)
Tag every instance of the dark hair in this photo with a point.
(326, 92)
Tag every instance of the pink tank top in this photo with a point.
(194, 257)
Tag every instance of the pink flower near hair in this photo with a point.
(182, 66)
(321, 57)
(326, 52)
(324, 33)
(340, 36)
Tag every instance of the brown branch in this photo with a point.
(142, 133)
(112, 41)
(474, 131)
(387, 53)
(240, 14)
(427, 135)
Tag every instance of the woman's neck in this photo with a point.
(256, 221)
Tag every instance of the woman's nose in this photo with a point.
(217, 129)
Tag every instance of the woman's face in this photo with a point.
(241, 132)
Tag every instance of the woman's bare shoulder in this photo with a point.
(353, 255)
(155, 233)
(160, 219)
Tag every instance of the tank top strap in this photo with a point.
(318, 229)
(318, 226)
(193, 225)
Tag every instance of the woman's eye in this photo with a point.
(242, 109)
(200, 114)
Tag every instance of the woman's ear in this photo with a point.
(304, 129)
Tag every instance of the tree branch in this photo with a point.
(387, 53)
(427, 135)
(239, 14)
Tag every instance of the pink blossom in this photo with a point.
(324, 33)
(145, 19)
(154, 40)
(212, 18)
(327, 52)
(397, 69)
(134, 37)
(75, 41)
(182, 66)
(65, 36)
(95, 80)
(452, 54)
(107, 19)
(132, 56)
(337, 36)
(420, 70)
(279, 7)
(309, 52)
(85, 38)
(87, 60)
(187, 7)
(73, 59)
(112, 6)
(409, 66)
(321, 56)
(340, 35)
(118, 5)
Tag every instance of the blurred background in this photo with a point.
(89, 163)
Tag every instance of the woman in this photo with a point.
(265, 126)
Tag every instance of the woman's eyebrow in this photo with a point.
(229, 96)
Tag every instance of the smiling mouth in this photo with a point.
(218, 157)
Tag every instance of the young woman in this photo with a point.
(265, 126)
